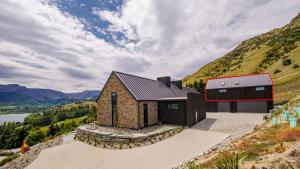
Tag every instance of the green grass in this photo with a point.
(8, 159)
(67, 121)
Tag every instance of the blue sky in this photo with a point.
(83, 10)
(73, 45)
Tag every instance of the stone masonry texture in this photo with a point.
(127, 106)
(152, 112)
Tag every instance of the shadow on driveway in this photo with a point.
(205, 124)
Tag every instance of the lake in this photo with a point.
(13, 117)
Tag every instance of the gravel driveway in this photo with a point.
(162, 155)
(236, 124)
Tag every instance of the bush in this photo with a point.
(8, 159)
(286, 62)
(190, 165)
(295, 66)
(288, 135)
(230, 163)
(276, 71)
(35, 137)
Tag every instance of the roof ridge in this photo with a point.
(135, 76)
(239, 76)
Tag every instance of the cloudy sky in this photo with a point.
(73, 45)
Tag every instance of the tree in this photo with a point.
(295, 66)
(276, 71)
(201, 86)
(35, 137)
(53, 129)
(286, 62)
(195, 85)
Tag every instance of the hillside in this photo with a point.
(19, 95)
(276, 52)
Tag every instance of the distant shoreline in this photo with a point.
(5, 113)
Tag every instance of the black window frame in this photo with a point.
(222, 90)
(173, 106)
(260, 88)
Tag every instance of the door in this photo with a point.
(145, 114)
(114, 111)
(223, 107)
(252, 106)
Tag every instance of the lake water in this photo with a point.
(12, 117)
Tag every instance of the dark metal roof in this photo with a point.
(148, 89)
(240, 81)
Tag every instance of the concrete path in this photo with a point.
(162, 155)
(236, 124)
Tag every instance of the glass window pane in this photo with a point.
(222, 91)
(260, 88)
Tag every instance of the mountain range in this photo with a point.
(16, 94)
(276, 52)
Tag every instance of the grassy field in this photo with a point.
(81, 103)
(67, 121)
(264, 53)
(7, 109)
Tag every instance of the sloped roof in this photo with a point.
(240, 81)
(148, 89)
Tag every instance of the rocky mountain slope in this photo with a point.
(276, 52)
(16, 94)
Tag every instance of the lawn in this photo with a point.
(67, 121)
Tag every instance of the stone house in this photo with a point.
(129, 101)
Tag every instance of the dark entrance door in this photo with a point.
(114, 109)
(145, 114)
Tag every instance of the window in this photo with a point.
(114, 108)
(222, 90)
(260, 88)
(173, 106)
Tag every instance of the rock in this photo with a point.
(120, 140)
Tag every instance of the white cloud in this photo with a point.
(40, 46)
(180, 33)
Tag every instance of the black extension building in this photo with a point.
(247, 93)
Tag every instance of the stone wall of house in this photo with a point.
(152, 112)
(127, 106)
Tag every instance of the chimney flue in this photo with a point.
(178, 83)
(166, 80)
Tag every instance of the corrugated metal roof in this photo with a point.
(148, 89)
(240, 81)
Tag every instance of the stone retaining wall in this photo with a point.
(115, 141)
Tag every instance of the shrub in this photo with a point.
(286, 62)
(24, 148)
(295, 66)
(230, 162)
(276, 71)
(190, 165)
(280, 148)
(35, 137)
(8, 159)
(288, 134)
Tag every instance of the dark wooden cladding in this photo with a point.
(189, 111)
(171, 116)
(212, 106)
(244, 93)
(196, 109)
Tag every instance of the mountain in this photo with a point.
(276, 52)
(85, 95)
(16, 94)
